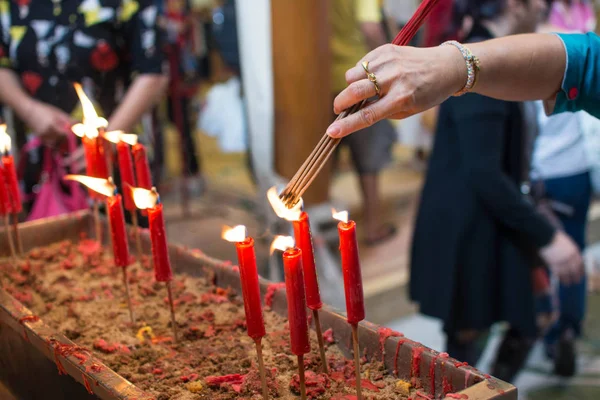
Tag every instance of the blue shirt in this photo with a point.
(580, 89)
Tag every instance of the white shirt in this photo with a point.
(559, 149)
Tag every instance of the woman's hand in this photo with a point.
(411, 80)
(564, 258)
(46, 120)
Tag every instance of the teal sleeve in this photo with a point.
(580, 89)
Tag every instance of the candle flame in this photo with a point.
(5, 141)
(91, 121)
(282, 243)
(120, 136)
(103, 186)
(144, 198)
(236, 234)
(339, 215)
(289, 214)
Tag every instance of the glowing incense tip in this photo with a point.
(282, 243)
(120, 136)
(289, 214)
(144, 198)
(238, 233)
(103, 186)
(5, 141)
(339, 215)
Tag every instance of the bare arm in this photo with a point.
(412, 80)
(143, 93)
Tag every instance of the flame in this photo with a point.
(144, 198)
(289, 214)
(120, 136)
(102, 186)
(236, 234)
(339, 215)
(91, 121)
(282, 243)
(5, 141)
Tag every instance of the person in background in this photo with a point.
(560, 173)
(476, 234)
(356, 27)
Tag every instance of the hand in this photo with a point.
(47, 121)
(564, 258)
(411, 80)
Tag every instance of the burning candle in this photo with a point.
(142, 169)
(10, 173)
(250, 292)
(304, 242)
(355, 305)
(116, 217)
(5, 209)
(124, 142)
(249, 279)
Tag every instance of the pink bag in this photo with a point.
(52, 199)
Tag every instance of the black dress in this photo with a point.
(475, 231)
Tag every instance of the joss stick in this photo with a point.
(129, 304)
(261, 368)
(11, 244)
(301, 376)
(17, 233)
(172, 307)
(138, 240)
(356, 360)
(97, 221)
(320, 338)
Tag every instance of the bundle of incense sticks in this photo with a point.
(326, 146)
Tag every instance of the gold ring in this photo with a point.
(371, 76)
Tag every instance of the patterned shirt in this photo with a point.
(52, 43)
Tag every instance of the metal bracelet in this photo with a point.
(472, 66)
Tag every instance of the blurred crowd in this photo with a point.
(147, 64)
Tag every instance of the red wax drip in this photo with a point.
(5, 206)
(294, 285)
(117, 230)
(304, 242)
(142, 169)
(86, 383)
(417, 353)
(29, 318)
(160, 249)
(401, 341)
(385, 333)
(127, 176)
(12, 184)
(355, 306)
(457, 396)
(446, 383)
(250, 288)
(432, 374)
(272, 288)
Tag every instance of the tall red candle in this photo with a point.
(127, 176)
(101, 161)
(294, 286)
(5, 206)
(303, 239)
(118, 233)
(250, 288)
(142, 169)
(355, 305)
(160, 250)
(89, 149)
(12, 184)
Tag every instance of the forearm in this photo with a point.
(143, 93)
(522, 67)
(12, 93)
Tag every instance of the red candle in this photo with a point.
(303, 239)
(355, 305)
(142, 169)
(294, 286)
(117, 230)
(5, 206)
(160, 250)
(12, 184)
(127, 177)
(89, 148)
(250, 288)
(100, 155)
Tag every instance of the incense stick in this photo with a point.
(97, 221)
(315, 162)
(17, 233)
(301, 376)
(356, 361)
(172, 307)
(11, 243)
(129, 304)
(320, 339)
(261, 368)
